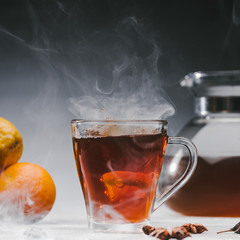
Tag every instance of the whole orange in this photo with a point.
(11, 144)
(27, 191)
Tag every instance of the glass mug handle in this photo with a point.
(186, 175)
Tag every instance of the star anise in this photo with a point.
(176, 232)
(161, 233)
(165, 234)
(235, 229)
(195, 228)
(179, 232)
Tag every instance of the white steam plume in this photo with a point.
(119, 76)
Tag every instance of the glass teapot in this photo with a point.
(214, 188)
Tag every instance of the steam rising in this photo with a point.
(110, 75)
(14, 204)
(119, 76)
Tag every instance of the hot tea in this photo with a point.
(119, 175)
(119, 164)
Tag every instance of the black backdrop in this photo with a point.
(192, 35)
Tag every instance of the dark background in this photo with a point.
(37, 35)
(41, 59)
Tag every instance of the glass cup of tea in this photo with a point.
(119, 164)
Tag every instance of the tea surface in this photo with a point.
(119, 175)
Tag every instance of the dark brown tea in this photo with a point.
(213, 190)
(119, 175)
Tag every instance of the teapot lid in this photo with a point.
(213, 83)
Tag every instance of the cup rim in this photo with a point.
(118, 121)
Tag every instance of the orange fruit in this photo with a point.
(27, 191)
(11, 144)
(130, 194)
(118, 183)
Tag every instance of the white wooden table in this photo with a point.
(74, 227)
